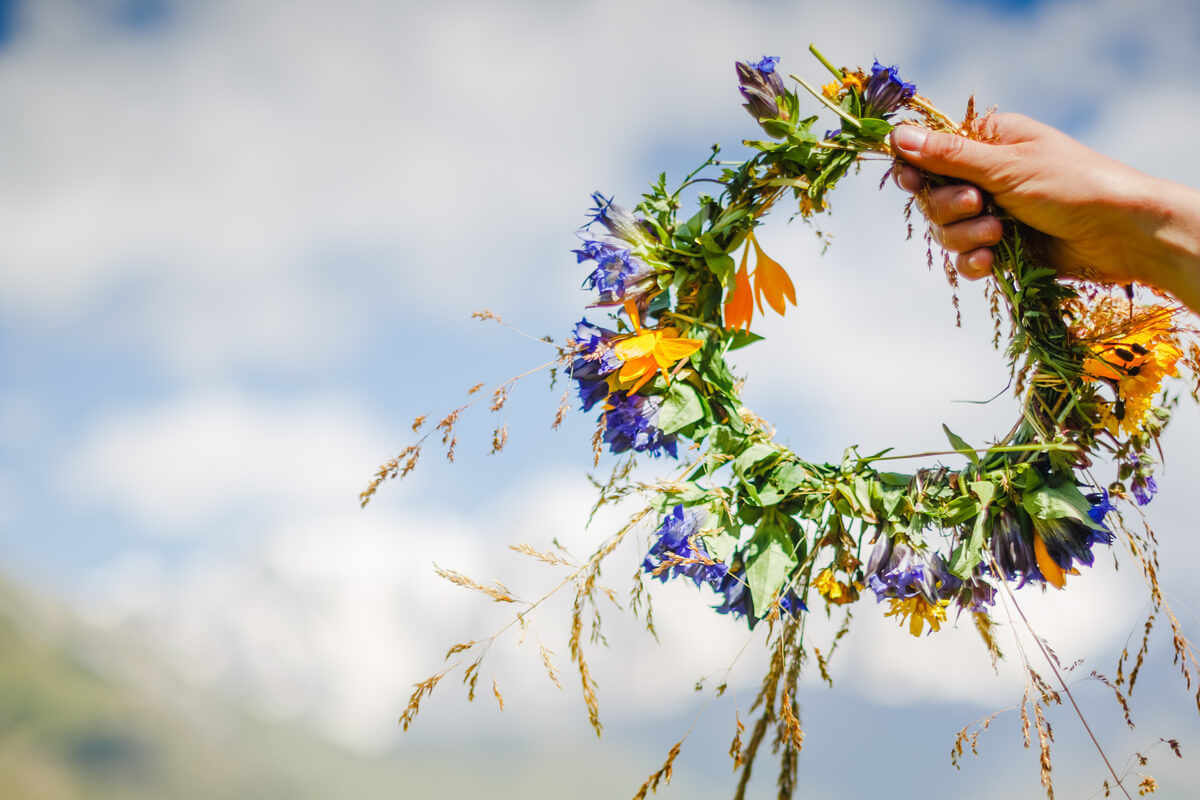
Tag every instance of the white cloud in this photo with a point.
(189, 467)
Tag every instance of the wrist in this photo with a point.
(1170, 223)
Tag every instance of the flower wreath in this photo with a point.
(773, 534)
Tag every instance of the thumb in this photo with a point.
(953, 156)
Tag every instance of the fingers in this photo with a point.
(951, 155)
(954, 213)
(965, 236)
(975, 264)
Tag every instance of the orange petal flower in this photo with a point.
(1136, 362)
(739, 308)
(771, 281)
(649, 351)
(1051, 571)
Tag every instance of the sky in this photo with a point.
(241, 248)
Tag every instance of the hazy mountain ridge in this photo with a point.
(83, 715)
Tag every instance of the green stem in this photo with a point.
(1012, 448)
(826, 102)
(837, 73)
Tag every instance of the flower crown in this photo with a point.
(771, 534)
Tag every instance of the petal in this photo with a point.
(772, 281)
(668, 351)
(1051, 571)
(636, 347)
(739, 307)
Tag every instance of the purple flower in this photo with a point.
(594, 361)
(885, 92)
(976, 593)
(792, 603)
(617, 272)
(678, 536)
(735, 594)
(1100, 506)
(762, 87)
(617, 220)
(896, 570)
(736, 598)
(1144, 488)
(1012, 547)
(630, 424)
(767, 64)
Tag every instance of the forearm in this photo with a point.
(1168, 220)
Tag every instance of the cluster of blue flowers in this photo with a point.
(897, 571)
(631, 423)
(680, 551)
(618, 272)
(885, 92)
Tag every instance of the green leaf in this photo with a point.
(741, 338)
(681, 408)
(961, 446)
(789, 476)
(728, 218)
(959, 510)
(1059, 502)
(722, 265)
(768, 567)
(751, 456)
(874, 130)
(969, 552)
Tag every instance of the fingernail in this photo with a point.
(983, 231)
(964, 202)
(909, 138)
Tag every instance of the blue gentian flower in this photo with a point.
(762, 87)
(1144, 489)
(617, 272)
(976, 594)
(767, 64)
(735, 594)
(630, 424)
(885, 92)
(1100, 506)
(896, 570)
(1012, 547)
(792, 603)
(617, 220)
(678, 535)
(594, 361)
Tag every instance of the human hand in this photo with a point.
(1103, 220)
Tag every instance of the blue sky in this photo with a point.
(243, 242)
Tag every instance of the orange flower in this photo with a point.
(739, 308)
(648, 351)
(771, 281)
(1135, 361)
(1051, 571)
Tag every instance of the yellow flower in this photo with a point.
(917, 610)
(1134, 359)
(831, 90)
(833, 590)
(649, 351)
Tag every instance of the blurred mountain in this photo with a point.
(89, 714)
(83, 715)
